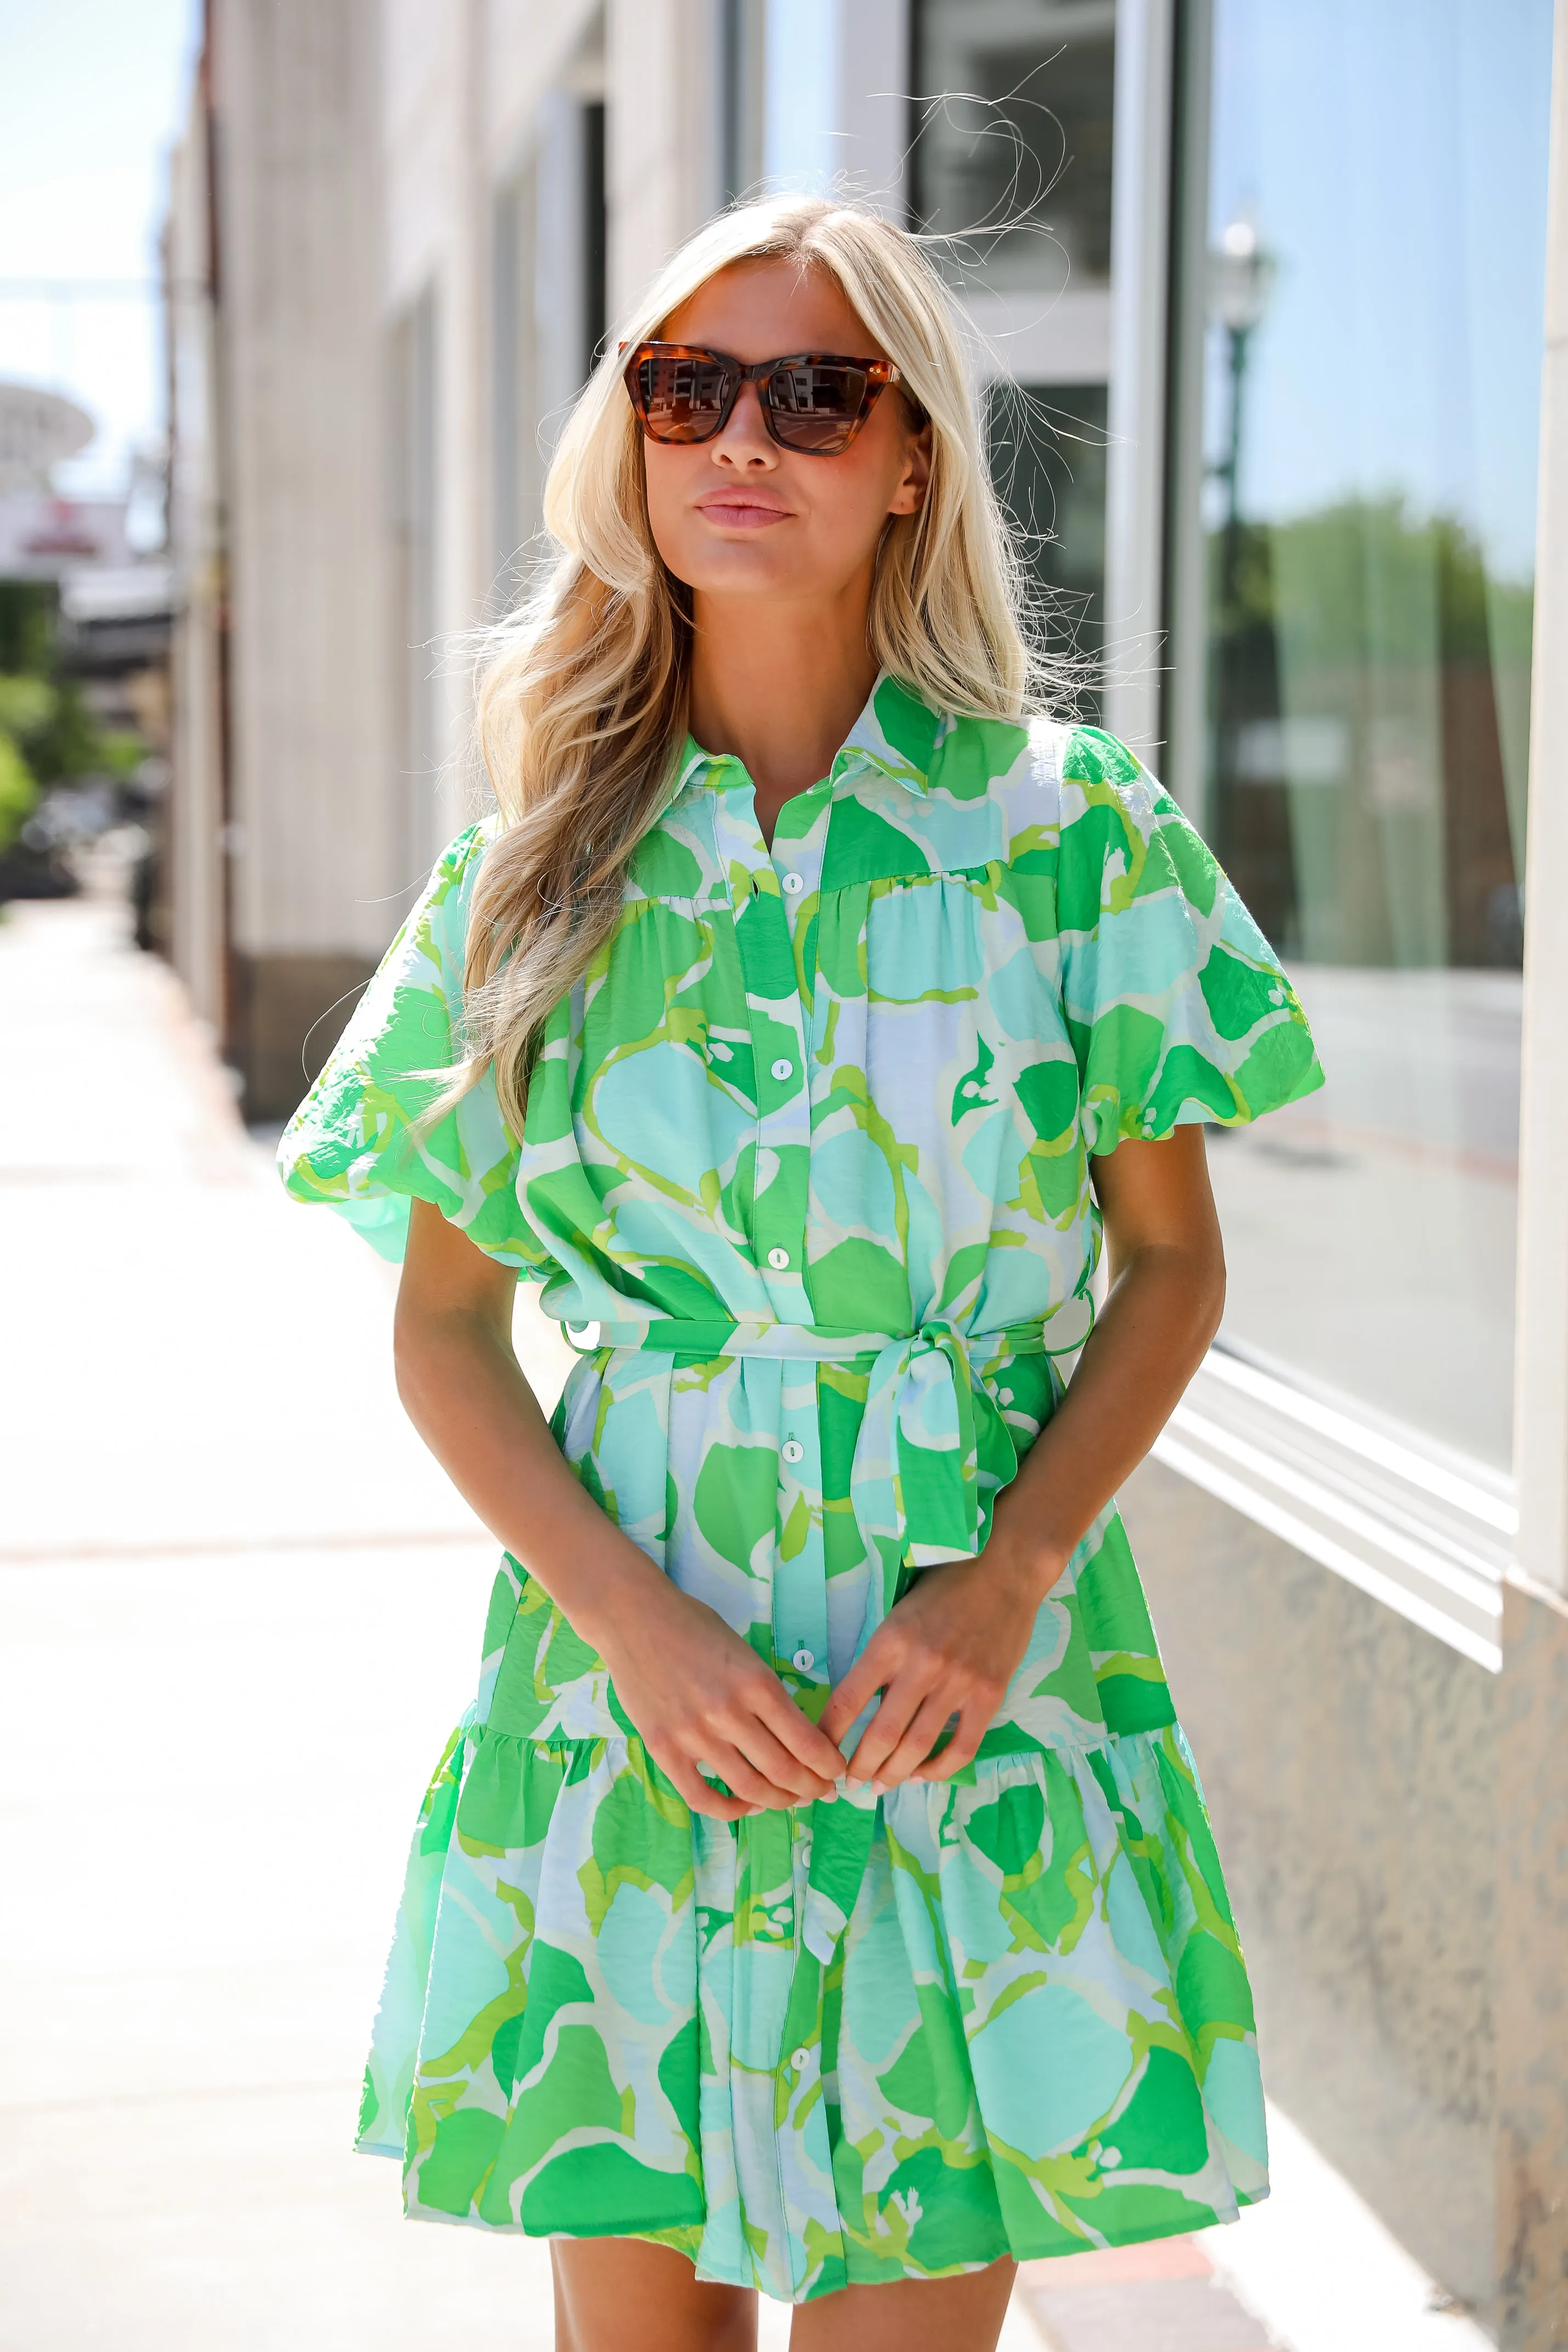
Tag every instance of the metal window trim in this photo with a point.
(1136, 433)
(1414, 1528)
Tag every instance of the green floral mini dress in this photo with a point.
(806, 1176)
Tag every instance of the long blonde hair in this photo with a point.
(583, 699)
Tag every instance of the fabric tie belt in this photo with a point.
(915, 1487)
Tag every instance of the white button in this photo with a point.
(800, 2059)
(794, 882)
(778, 1259)
(793, 1449)
(783, 1069)
(805, 1660)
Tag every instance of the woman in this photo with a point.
(818, 1898)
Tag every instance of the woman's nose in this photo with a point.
(746, 439)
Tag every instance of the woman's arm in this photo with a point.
(693, 1688)
(954, 1642)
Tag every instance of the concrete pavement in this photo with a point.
(240, 1609)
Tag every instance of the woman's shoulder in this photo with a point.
(465, 853)
(1045, 775)
(425, 959)
(440, 914)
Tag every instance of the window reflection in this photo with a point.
(1021, 133)
(1048, 449)
(1012, 124)
(1376, 196)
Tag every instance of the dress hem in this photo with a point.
(714, 2277)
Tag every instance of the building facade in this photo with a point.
(1258, 305)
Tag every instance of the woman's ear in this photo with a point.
(916, 479)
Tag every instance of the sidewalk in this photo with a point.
(239, 1610)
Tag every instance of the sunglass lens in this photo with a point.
(681, 396)
(816, 408)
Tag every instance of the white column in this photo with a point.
(875, 89)
(464, 568)
(836, 107)
(301, 390)
(1541, 1381)
(801, 103)
(660, 120)
(559, 286)
(195, 848)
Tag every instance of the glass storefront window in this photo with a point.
(1048, 449)
(1013, 117)
(1012, 157)
(1371, 310)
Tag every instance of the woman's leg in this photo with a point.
(619, 2294)
(951, 2314)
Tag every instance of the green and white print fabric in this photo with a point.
(806, 1175)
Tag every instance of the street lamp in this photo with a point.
(1240, 273)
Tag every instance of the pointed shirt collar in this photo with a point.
(898, 733)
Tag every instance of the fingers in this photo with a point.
(931, 1719)
(698, 1797)
(752, 1786)
(770, 1757)
(906, 1739)
(732, 1765)
(871, 1670)
(811, 1745)
(961, 1749)
(901, 1702)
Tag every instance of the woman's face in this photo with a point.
(739, 516)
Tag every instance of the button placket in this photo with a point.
(796, 868)
(799, 1572)
(800, 1586)
(797, 861)
(774, 1012)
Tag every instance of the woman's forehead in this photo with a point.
(777, 307)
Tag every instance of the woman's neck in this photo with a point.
(779, 687)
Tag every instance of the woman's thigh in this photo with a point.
(619, 2294)
(950, 2315)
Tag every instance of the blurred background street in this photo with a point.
(221, 1692)
(294, 296)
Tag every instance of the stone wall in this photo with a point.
(1350, 1763)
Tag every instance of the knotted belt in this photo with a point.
(914, 1486)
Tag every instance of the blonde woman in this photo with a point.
(819, 1898)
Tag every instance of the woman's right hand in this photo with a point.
(694, 1691)
(703, 1701)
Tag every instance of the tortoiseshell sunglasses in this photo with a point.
(813, 402)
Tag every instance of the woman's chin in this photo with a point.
(752, 570)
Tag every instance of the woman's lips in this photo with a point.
(741, 515)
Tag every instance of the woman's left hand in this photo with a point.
(954, 1642)
(949, 1647)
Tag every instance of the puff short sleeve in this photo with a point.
(353, 1143)
(1176, 1006)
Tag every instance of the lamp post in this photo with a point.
(1240, 273)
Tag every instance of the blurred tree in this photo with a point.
(29, 610)
(18, 793)
(48, 734)
(1367, 677)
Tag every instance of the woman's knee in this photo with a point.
(620, 2295)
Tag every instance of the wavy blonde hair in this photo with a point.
(583, 694)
